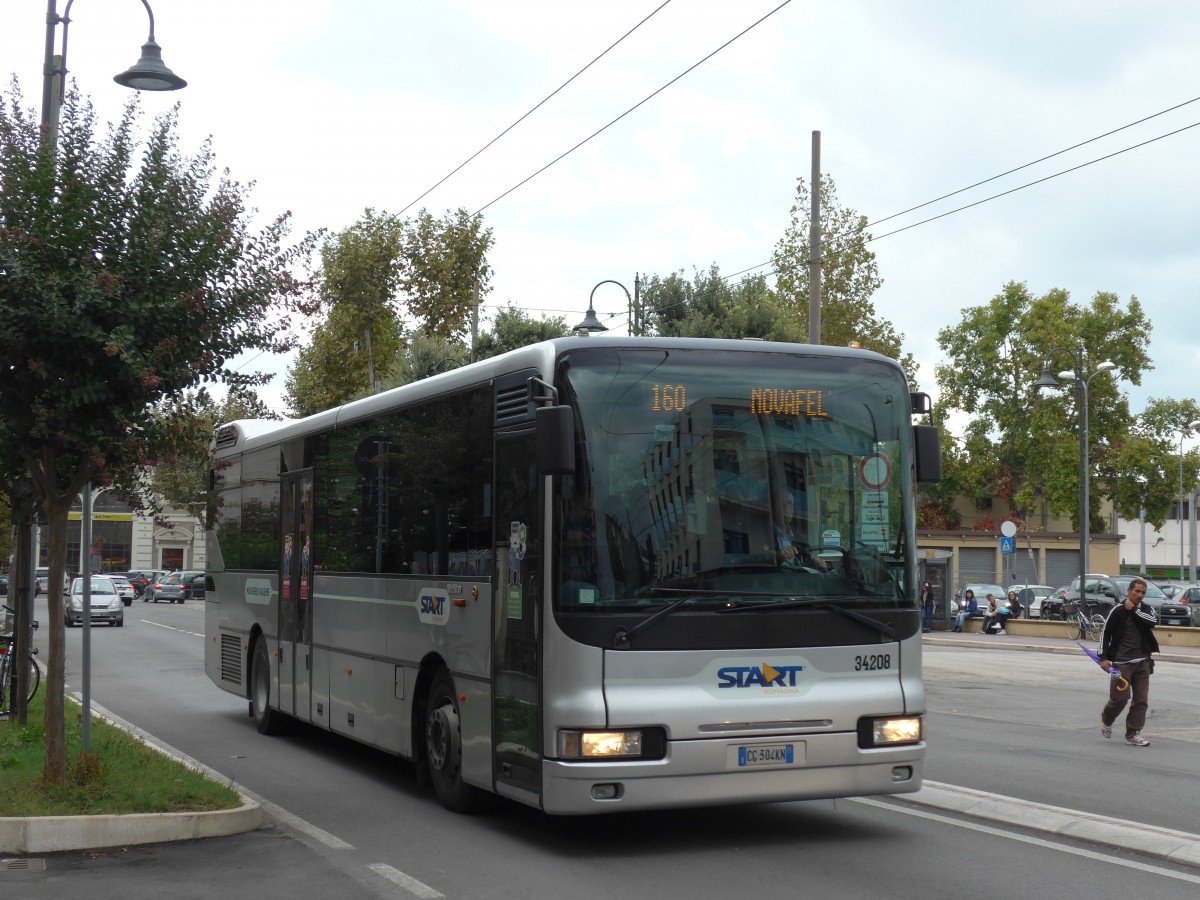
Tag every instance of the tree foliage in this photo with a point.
(1021, 445)
(129, 272)
(849, 277)
(709, 306)
(514, 328)
(373, 276)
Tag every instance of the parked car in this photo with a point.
(139, 580)
(1103, 592)
(195, 581)
(41, 577)
(178, 587)
(104, 601)
(1031, 601)
(1052, 605)
(3, 585)
(154, 576)
(1182, 607)
(124, 588)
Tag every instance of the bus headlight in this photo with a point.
(600, 744)
(886, 731)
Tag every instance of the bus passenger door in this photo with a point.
(516, 654)
(295, 596)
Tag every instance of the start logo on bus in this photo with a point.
(434, 607)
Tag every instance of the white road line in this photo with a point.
(410, 884)
(1037, 842)
(171, 628)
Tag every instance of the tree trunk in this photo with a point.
(54, 768)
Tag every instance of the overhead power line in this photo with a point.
(640, 103)
(534, 109)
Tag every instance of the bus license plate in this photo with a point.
(766, 755)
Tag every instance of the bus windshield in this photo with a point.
(733, 479)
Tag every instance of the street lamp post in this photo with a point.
(590, 323)
(1184, 504)
(1082, 380)
(147, 74)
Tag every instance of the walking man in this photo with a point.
(1127, 642)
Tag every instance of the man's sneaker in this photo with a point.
(1137, 740)
(1105, 730)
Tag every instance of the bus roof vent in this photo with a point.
(227, 436)
(514, 401)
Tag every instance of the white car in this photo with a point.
(124, 588)
(1033, 600)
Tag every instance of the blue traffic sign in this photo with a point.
(1006, 544)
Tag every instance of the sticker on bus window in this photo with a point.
(514, 601)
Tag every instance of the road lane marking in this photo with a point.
(410, 884)
(1037, 842)
(171, 628)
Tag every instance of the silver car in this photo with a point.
(105, 603)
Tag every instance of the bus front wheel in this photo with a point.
(267, 720)
(443, 747)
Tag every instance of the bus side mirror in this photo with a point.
(927, 453)
(555, 440)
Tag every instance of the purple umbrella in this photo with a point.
(1111, 670)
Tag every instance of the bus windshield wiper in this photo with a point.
(625, 635)
(816, 603)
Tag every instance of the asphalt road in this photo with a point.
(343, 820)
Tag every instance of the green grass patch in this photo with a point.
(119, 775)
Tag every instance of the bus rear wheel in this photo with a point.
(267, 720)
(443, 747)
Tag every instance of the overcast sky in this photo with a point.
(332, 106)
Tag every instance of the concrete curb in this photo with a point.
(1177, 847)
(50, 834)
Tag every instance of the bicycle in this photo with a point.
(1080, 623)
(8, 670)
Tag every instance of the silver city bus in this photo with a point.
(591, 575)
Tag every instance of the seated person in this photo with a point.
(968, 609)
(788, 551)
(1014, 605)
(997, 616)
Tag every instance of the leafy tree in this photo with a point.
(513, 328)
(1023, 446)
(371, 275)
(849, 277)
(709, 306)
(126, 276)
(1142, 468)
(443, 259)
(424, 356)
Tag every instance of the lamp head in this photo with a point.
(590, 323)
(149, 73)
(1046, 381)
(1192, 426)
(1067, 375)
(1107, 366)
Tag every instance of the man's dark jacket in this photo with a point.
(1143, 618)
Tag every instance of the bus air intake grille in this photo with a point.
(231, 658)
(513, 405)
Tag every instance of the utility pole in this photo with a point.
(814, 245)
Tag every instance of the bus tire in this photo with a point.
(267, 720)
(443, 747)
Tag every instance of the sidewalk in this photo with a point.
(1042, 644)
